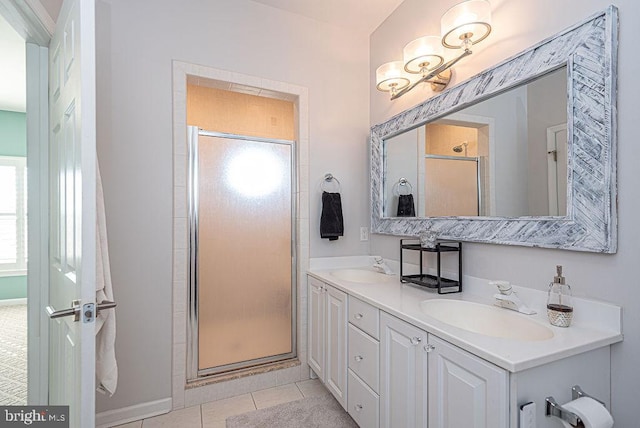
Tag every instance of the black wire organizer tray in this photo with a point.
(443, 285)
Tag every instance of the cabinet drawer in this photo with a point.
(363, 402)
(364, 357)
(364, 316)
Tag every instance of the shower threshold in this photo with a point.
(240, 373)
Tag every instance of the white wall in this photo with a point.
(613, 278)
(509, 115)
(136, 43)
(402, 156)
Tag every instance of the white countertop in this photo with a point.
(595, 324)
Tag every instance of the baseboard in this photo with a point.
(10, 302)
(133, 413)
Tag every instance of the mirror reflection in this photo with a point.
(503, 157)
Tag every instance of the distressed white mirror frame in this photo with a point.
(589, 50)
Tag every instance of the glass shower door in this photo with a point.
(243, 268)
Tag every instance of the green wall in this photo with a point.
(13, 133)
(13, 142)
(13, 287)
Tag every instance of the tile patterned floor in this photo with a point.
(13, 355)
(214, 414)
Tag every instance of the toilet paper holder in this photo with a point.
(555, 409)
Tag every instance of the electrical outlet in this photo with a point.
(364, 234)
(528, 415)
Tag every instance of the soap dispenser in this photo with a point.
(559, 305)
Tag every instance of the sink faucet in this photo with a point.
(380, 265)
(508, 299)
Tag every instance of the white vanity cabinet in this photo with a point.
(426, 381)
(364, 364)
(388, 371)
(403, 374)
(327, 337)
(464, 390)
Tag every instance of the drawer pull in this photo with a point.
(416, 340)
(358, 407)
(358, 358)
(429, 348)
(358, 316)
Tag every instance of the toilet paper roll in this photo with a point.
(592, 413)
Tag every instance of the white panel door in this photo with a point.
(557, 169)
(464, 390)
(316, 327)
(403, 374)
(72, 142)
(336, 345)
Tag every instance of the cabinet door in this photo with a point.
(316, 326)
(403, 374)
(464, 390)
(336, 344)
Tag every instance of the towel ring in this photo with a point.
(328, 179)
(402, 184)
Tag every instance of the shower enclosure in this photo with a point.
(242, 252)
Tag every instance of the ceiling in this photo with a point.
(360, 15)
(370, 14)
(13, 70)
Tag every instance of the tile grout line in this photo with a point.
(254, 401)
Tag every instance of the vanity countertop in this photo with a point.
(595, 324)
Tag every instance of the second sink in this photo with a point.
(486, 320)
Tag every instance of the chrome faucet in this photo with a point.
(380, 265)
(508, 299)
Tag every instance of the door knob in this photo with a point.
(76, 310)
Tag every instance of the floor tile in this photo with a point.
(183, 418)
(215, 413)
(278, 395)
(312, 387)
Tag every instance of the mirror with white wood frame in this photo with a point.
(583, 219)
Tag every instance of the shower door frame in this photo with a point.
(193, 371)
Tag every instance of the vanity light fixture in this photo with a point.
(462, 26)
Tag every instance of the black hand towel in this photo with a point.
(331, 225)
(405, 206)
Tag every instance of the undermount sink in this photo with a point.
(486, 320)
(362, 275)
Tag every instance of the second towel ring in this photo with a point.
(329, 178)
(402, 184)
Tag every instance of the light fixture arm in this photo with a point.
(433, 73)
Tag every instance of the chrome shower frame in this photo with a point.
(193, 372)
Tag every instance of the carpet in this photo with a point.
(313, 412)
(13, 355)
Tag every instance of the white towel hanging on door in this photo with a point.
(106, 365)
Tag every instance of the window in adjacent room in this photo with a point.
(13, 216)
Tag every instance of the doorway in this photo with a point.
(34, 25)
(241, 195)
(269, 374)
(13, 218)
